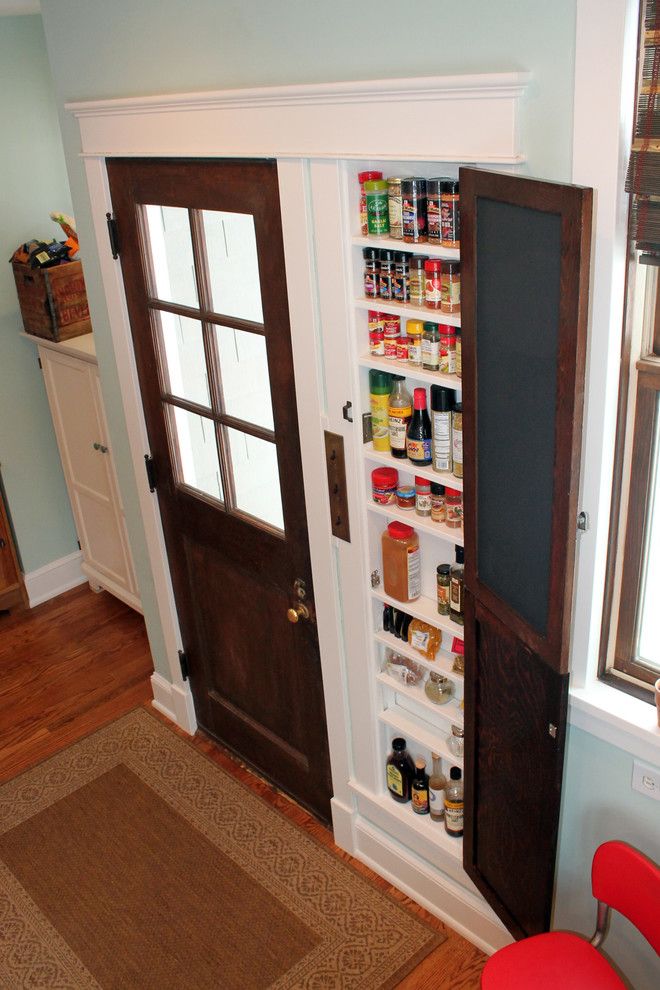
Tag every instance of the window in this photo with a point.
(631, 638)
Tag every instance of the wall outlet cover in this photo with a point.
(646, 780)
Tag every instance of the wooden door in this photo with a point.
(12, 589)
(203, 265)
(525, 261)
(74, 397)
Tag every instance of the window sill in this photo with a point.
(616, 718)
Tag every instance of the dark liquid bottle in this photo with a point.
(456, 588)
(400, 771)
(420, 789)
(418, 438)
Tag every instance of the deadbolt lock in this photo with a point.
(297, 612)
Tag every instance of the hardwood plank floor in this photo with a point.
(76, 663)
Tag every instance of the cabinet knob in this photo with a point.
(297, 612)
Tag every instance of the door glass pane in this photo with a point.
(172, 254)
(256, 478)
(198, 452)
(245, 381)
(183, 358)
(234, 269)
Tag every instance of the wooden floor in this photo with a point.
(76, 663)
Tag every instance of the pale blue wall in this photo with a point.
(100, 49)
(33, 182)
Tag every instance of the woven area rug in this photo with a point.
(130, 860)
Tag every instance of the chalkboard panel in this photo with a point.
(518, 255)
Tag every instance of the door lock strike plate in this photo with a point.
(367, 431)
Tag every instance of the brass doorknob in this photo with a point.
(297, 612)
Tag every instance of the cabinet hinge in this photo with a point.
(151, 472)
(113, 235)
(346, 412)
(40, 364)
(78, 542)
(183, 661)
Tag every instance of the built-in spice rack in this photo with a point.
(404, 709)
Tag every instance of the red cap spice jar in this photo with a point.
(362, 178)
(422, 496)
(447, 363)
(383, 485)
(433, 284)
(454, 503)
(376, 333)
(392, 334)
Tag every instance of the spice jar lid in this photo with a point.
(446, 330)
(375, 185)
(455, 773)
(384, 477)
(379, 381)
(414, 184)
(364, 176)
(437, 489)
(452, 492)
(399, 531)
(422, 482)
(370, 254)
(442, 399)
(414, 327)
(430, 326)
(458, 407)
(432, 265)
(434, 186)
(460, 555)
(402, 257)
(450, 186)
(443, 569)
(418, 260)
(398, 743)
(419, 398)
(386, 254)
(451, 267)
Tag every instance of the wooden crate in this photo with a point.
(53, 301)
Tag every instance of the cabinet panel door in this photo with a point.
(525, 260)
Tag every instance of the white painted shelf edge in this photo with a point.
(403, 723)
(439, 530)
(403, 464)
(449, 713)
(422, 608)
(429, 248)
(410, 312)
(442, 663)
(411, 371)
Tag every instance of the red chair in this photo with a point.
(621, 878)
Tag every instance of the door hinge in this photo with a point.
(113, 235)
(151, 472)
(183, 661)
(78, 542)
(583, 522)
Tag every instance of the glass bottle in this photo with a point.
(437, 784)
(454, 507)
(443, 582)
(422, 496)
(401, 280)
(399, 771)
(450, 216)
(433, 194)
(454, 803)
(447, 364)
(438, 688)
(401, 562)
(459, 355)
(418, 439)
(399, 413)
(456, 741)
(417, 279)
(371, 272)
(431, 347)
(456, 588)
(413, 208)
(442, 404)
(457, 440)
(386, 273)
(438, 503)
(433, 283)
(420, 789)
(450, 282)
(394, 208)
(379, 389)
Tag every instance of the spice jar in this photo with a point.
(413, 194)
(454, 504)
(371, 272)
(438, 688)
(386, 273)
(383, 485)
(401, 280)
(433, 224)
(450, 282)
(447, 361)
(376, 324)
(438, 504)
(417, 285)
(391, 331)
(459, 357)
(431, 347)
(450, 217)
(405, 496)
(402, 349)
(401, 562)
(457, 440)
(422, 496)
(433, 283)
(415, 329)
(362, 178)
(443, 581)
(394, 208)
(378, 221)
(456, 741)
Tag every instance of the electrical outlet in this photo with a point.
(646, 780)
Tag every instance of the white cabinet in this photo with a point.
(74, 394)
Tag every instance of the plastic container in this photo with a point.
(378, 220)
(383, 485)
(413, 195)
(447, 363)
(362, 178)
(454, 502)
(401, 562)
(450, 217)
(433, 283)
(415, 330)
(371, 272)
(433, 224)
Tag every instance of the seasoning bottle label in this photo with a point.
(394, 780)
(399, 418)
(423, 504)
(420, 801)
(441, 431)
(454, 816)
(417, 286)
(420, 641)
(447, 358)
(457, 446)
(436, 802)
(371, 287)
(456, 595)
(379, 422)
(443, 598)
(396, 214)
(419, 450)
(414, 351)
(414, 573)
(433, 291)
(430, 353)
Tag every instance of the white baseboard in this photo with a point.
(175, 702)
(54, 579)
(467, 913)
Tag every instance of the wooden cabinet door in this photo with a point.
(74, 398)
(525, 261)
(12, 590)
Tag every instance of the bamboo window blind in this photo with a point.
(643, 178)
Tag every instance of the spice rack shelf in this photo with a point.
(416, 729)
(424, 609)
(430, 249)
(450, 713)
(403, 464)
(408, 311)
(440, 530)
(442, 663)
(410, 371)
